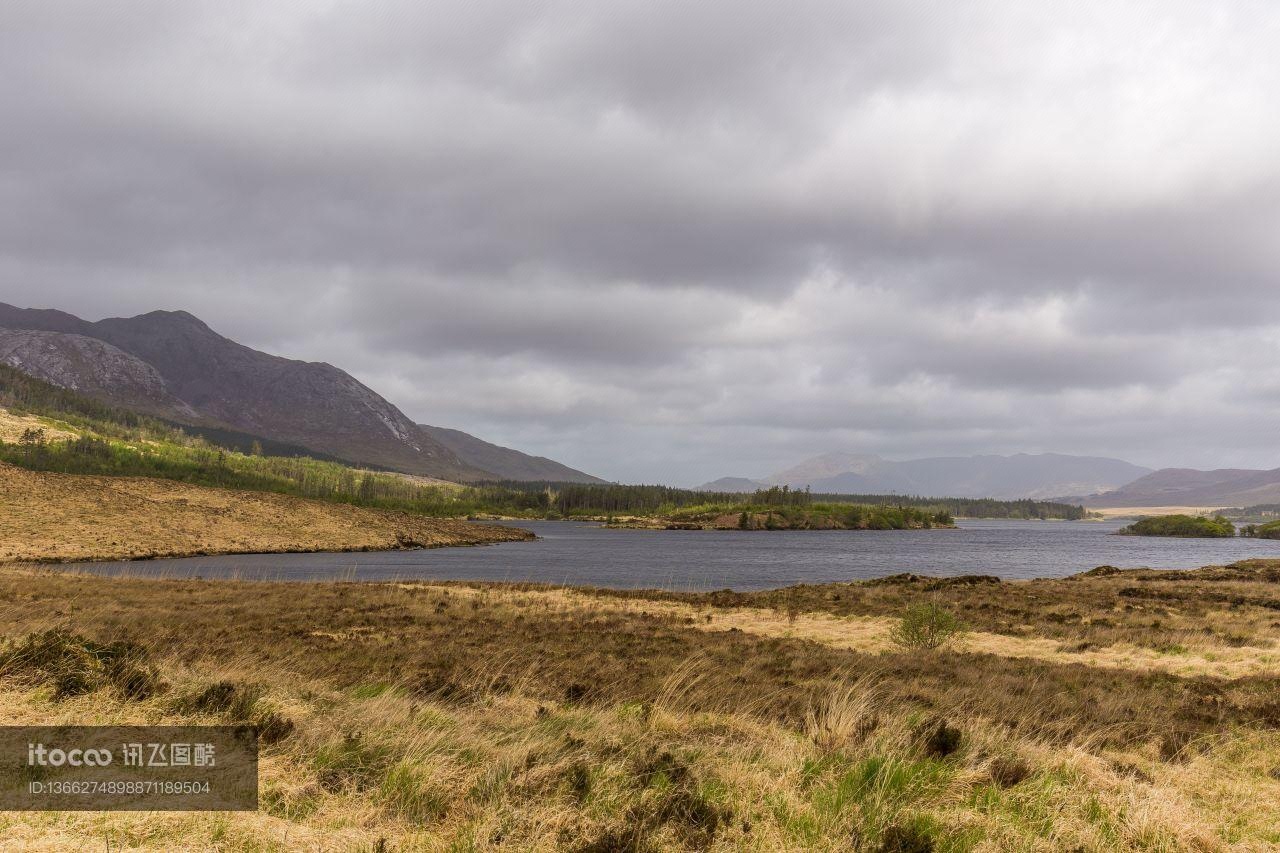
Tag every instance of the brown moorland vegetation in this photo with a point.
(1216, 608)
(61, 517)
(407, 716)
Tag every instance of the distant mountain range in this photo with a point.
(171, 365)
(1225, 487)
(1039, 476)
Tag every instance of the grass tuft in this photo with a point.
(75, 665)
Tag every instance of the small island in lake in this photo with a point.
(1270, 530)
(814, 516)
(1187, 526)
(774, 508)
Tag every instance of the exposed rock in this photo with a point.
(89, 366)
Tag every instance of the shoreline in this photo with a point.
(186, 555)
(56, 518)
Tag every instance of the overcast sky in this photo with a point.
(670, 241)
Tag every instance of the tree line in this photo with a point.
(614, 499)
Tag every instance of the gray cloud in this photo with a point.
(671, 241)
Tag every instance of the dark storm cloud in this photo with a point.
(696, 228)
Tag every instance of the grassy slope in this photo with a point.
(12, 426)
(69, 517)
(161, 452)
(1118, 711)
(124, 443)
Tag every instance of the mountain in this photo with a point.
(1190, 487)
(211, 380)
(511, 464)
(827, 466)
(737, 485)
(1022, 475)
(170, 364)
(853, 483)
(90, 366)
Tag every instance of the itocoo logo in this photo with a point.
(38, 754)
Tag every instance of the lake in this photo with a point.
(586, 554)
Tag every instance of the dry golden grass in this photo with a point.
(872, 634)
(1197, 655)
(379, 767)
(420, 480)
(1140, 511)
(13, 426)
(1199, 618)
(491, 717)
(63, 517)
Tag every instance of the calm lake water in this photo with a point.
(576, 553)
